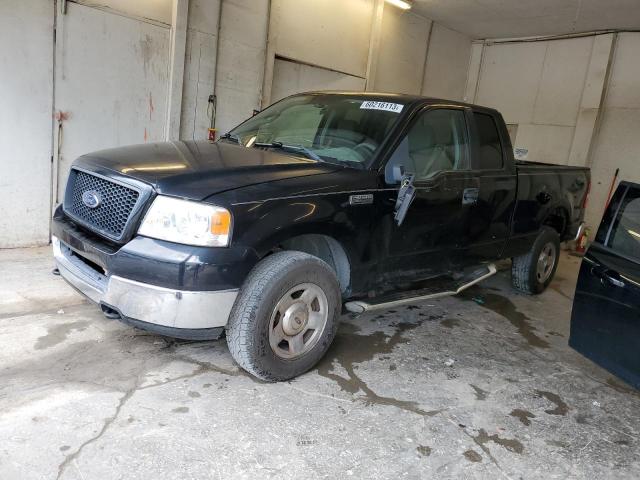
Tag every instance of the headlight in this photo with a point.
(183, 221)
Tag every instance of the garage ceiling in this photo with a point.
(522, 18)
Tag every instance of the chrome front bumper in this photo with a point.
(141, 303)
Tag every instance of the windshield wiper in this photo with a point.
(291, 148)
(233, 137)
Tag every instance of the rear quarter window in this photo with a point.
(489, 146)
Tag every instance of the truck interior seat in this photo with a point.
(430, 150)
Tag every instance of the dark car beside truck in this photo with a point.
(605, 320)
(320, 202)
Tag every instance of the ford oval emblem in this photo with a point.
(91, 199)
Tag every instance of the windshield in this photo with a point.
(330, 128)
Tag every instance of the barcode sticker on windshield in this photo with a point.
(389, 107)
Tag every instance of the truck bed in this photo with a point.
(539, 167)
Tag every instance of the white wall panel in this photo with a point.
(241, 60)
(509, 79)
(403, 51)
(617, 143)
(447, 64)
(546, 143)
(111, 83)
(200, 66)
(291, 77)
(332, 34)
(26, 92)
(155, 10)
(562, 81)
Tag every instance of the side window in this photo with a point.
(625, 234)
(436, 142)
(490, 149)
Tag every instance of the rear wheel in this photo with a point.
(285, 316)
(533, 272)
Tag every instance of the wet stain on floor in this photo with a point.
(620, 387)
(557, 443)
(480, 393)
(472, 456)
(510, 444)
(561, 407)
(504, 307)
(582, 419)
(450, 322)
(342, 352)
(180, 410)
(523, 416)
(559, 291)
(423, 450)
(56, 334)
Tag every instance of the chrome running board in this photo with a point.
(405, 298)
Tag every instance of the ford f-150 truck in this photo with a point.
(323, 201)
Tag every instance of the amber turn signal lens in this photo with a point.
(221, 223)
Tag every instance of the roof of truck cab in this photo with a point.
(398, 97)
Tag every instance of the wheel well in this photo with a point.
(558, 220)
(327, 249)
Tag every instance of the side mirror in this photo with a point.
(406, 194)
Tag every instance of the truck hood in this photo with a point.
(199, 169)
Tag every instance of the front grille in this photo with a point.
(116, 203)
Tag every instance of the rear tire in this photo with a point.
(285, 317)
(533, 272)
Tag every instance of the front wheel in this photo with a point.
(285, 317)
(532, 273)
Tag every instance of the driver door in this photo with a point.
(433, 236)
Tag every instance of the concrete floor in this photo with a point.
(479, 386)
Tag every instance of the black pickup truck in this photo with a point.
(323, 201)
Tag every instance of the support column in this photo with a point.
(180, 12)
(374, 45)
(473, 74)
(592, 98)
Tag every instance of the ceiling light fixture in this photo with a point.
(403, 4)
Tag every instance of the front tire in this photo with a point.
(533, 272)
(285, 317)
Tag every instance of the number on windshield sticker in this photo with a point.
(389, 107)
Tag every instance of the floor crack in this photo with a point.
(107, 423)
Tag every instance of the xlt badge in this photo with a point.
(362, 199)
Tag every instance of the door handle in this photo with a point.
(470, 196)
(608, 276)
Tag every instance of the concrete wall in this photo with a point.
(538, 86)
(26, 92)
(199, 68)
(617, 142)
(241, 64)
(154, 10)
(332, 34)
(570, 101)
(292, 77)
(403, 52)
(246, 52)
(447, 65)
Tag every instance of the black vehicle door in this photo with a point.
(490, 220)
(605, 322)
(436, 150)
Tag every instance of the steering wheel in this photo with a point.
(365, 150)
